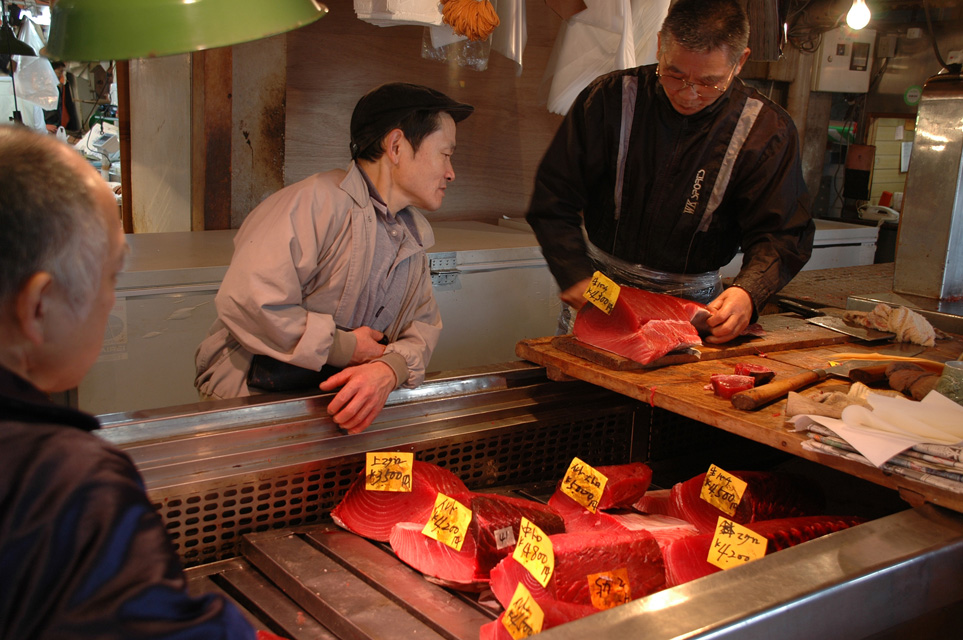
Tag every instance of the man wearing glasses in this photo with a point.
(659, 174)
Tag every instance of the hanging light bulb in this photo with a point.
(858, 16)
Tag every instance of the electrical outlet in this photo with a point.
(954, 57)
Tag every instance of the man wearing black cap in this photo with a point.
(329, 284)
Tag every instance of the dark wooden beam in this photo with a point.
(211, 98)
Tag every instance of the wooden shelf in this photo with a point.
(680, 388)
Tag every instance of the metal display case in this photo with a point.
(245, 487)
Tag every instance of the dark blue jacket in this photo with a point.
(83, 554)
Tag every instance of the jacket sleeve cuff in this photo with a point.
(398, 364)
(342, 348)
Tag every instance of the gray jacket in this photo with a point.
(300, 261)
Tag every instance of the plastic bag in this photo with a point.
(511, 35)
(36, 80)
(441, 44)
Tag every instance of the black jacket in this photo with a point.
(83, 554)
(673, 178)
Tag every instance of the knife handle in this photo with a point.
(752, 399)
(869, 374)
(801, 309)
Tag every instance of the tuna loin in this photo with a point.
(768, 496)
(685, 560)
(643, 326)
(555, 612)
(664, 528)
(579, 555)
(491, 536)
(625, 484)
(372, 514)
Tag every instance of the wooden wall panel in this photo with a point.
(334, 61)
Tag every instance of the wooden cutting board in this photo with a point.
(781, 332)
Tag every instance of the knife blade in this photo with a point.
(835, 323)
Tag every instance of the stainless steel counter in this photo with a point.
(245, 487)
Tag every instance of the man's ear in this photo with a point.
(394, 141)
(33, 304)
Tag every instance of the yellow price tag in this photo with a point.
(722, 490)
(584, 485)
(534, 551)
(523, 617)
(610, 588)
(449, 522)
(602, 292)
(734, 544)
(388, 471)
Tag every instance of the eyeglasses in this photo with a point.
(675, 84)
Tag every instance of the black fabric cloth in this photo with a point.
(671, 159)
(83, 554)
(65, 114)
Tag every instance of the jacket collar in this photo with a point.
(20, 401)
(356, 186)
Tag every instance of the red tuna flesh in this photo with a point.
(625, 484)
(372, 513)
(643, 326)
(436, 560)
(725, 385)
(579, 555)
(768, 496)
(759, 373)
(491, 536)
(493, 515)
(664, 528)
(556, 613)
(685, 560)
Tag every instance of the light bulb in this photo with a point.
(858, 16)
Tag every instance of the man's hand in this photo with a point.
(731, 313)
(367, 346)
(573, 296)
(364, 390)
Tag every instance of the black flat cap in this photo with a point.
(383, 108)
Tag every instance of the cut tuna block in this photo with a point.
(686, 559)
(726, 385)
(372, 514)
(664, 528)
(625, 484)
(491, 536)
(579, 555)
(436, 560)
(768, 496)
(759, 373)
(643, 326)
(555, 612)
(495, 525)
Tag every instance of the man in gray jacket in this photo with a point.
(329, 275)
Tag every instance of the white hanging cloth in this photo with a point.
(598, 40)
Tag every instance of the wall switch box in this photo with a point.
(844, 61)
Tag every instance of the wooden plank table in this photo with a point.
(680, 388)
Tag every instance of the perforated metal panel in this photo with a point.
(510, 436)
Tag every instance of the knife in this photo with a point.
(752, 399)
(834, 323)
(865, 371)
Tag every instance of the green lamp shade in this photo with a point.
(89, 30)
